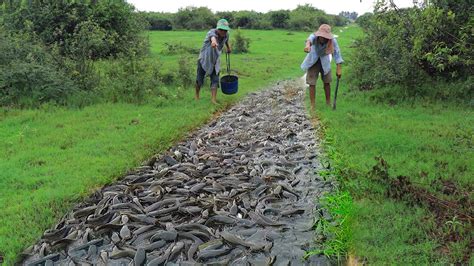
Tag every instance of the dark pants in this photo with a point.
(201, 74)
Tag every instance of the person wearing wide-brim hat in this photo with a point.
(321, 46)
(209, 58)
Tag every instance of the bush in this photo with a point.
(179, 48)
(194, 18)
(229, 15)
(241, 43)
(308, 18)
(279, 19)
(247, 19)
(57, 23)
(159, 21)
(186, 76)
(29, 75)
(130, 80)
(415, 46)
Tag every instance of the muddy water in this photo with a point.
(240, 191)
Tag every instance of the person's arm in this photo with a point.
(338, 58)
(214, 43)
(229, 48)
(309, 42)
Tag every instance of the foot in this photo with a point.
(214, 101)
(196, 97)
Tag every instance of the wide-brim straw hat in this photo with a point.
(325, 32)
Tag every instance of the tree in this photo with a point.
(195, 18)
(279, 19)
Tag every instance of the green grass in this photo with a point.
(52, 157)
(421, 140)
(336, 232)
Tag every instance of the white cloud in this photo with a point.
(330, 6)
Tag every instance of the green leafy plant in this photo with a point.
(335, 226)
(241, 43)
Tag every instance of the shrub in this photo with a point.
(279, 19)
(241, 43)
(409, 48)
(186, 76)
(29, 75)
(308, 18)
(159, 21)
(130, 79)
(194, 18)
(57, 23)
(179, 48)
(247, 19)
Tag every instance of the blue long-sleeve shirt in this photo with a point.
(318, 51)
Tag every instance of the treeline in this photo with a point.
(424, 51)
(304, 17)
(75, 53)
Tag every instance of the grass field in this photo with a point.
(421, 140)
(52, 157)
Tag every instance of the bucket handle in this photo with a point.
(227, 60)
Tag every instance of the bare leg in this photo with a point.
(327, 91)
(312, 97)
(196, 96)
(214, 95)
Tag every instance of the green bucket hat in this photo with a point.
(223, 24)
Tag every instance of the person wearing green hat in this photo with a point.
(209, 57)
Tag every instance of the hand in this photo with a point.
(214, 44)
(339, 71)
(307, 49)
(229, 50)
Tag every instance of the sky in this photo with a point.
(330, 6)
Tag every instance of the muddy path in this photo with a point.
(240, 191)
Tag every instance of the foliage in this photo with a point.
(29, 75)
(349, 15)
(201, 18)
(194, 18)
(186, 75)
(410, 47)
(246, 19)
(308, 18)
(241, 44)
(130, 80)
(335, 226)
(279, 18)
(229, 15)
(57, 23)
(52, 45)
(159, 21)
(179, 48)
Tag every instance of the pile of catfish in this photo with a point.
(240, 191)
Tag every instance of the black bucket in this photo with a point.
(229, 84)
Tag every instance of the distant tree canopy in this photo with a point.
(304, 17)
(350, 15)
